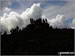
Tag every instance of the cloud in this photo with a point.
(34, 12)
(7, 10)
(13, 19)
(58, 22)
(73, 24)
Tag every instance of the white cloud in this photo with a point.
(58, 22)
(34, 12)
(13, 19)
(7, 10)
(73, 24)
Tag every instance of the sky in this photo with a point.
(59, 13)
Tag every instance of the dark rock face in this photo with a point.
(37, 38)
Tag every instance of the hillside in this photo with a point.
(37, 38)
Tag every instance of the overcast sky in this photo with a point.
(60, 13)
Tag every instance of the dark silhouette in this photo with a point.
(37, 38)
